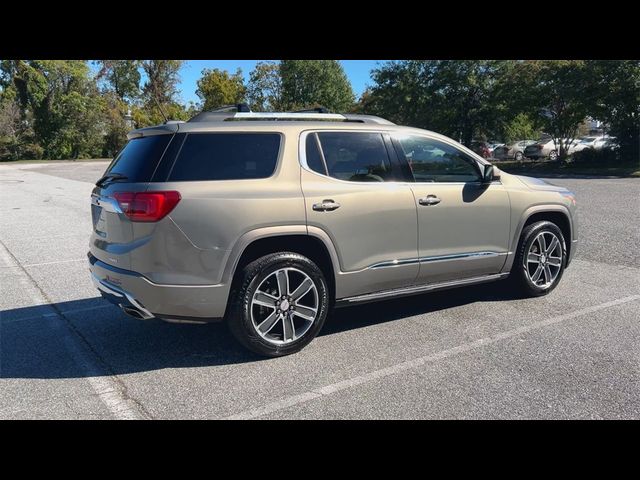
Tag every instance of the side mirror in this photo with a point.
(489, 174)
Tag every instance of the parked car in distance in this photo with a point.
(595, 143)
(481, 148)
(514, 150)
(269, 220)
(546, 148)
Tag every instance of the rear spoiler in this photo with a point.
(169, 127)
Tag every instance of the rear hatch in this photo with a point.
(113, 201)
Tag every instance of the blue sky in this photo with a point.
(358, 72)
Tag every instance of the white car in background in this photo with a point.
(547, 148)
(593, 142)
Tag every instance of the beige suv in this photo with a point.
(268, 220)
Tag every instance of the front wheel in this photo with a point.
(279, 304)
(540, 259)
(518, 156)
(553, 155)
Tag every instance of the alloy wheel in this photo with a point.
(544, 260)
(284, 306)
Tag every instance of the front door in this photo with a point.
(463, 224)
(356, 194)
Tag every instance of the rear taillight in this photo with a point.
(147, 206)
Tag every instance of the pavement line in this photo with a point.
(418, 362)
(107, 387)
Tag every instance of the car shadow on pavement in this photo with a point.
(90, 337)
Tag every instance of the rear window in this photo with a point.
(226, 156)
(139, 157)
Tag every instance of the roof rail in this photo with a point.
(313, 110)
(237, 107)
(227, 116)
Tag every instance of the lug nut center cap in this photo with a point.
(543, 258)
(284, 306)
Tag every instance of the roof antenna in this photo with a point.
(158, 104)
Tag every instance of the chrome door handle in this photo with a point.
(429, 200)
(326, 206)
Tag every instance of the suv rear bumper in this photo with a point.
(146, 299)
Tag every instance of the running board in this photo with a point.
(416, 289)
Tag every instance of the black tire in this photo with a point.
(518, 156)
(239, 317)
(519, 277)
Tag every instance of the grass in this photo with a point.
(12, 162)
(561, 168)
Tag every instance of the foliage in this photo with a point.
(593, 157)
(521, 127)
(122, 76)
(313, 83)
(217, 88)
(264, 91)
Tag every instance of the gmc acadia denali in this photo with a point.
(268, 220)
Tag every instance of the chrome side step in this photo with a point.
(416, 289)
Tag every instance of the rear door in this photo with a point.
(356, 193)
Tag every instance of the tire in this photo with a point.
(284, 323)
(518, 156)
(553, 155)
(523, 273)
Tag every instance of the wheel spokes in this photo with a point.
(533, 258)
(264, 299)
(554, 261)
(268, 323)
(552, 246)
(543, 244)
(288, 328)
(547, 274)
(302, 290)
(283, 282)
(537, 274)
(307, 313)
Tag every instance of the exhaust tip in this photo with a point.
(132, 312)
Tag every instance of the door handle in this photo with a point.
(326, 206)
(429, 200)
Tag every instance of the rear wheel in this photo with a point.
(518, 156)
(540, 259)
(278, 304)
(553, 155)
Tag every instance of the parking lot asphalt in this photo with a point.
(467, 353)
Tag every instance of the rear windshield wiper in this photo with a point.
(111, 176)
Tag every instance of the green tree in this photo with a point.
(614, 92)
(61, 103)
(160, 88)
(312, 83)
(521, 127)
(264, 91)
(122, 76)
(552, 93)
(454, 97)
(217, 88)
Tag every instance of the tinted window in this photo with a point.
(226, 156)
(435, 161)
(356, 156)
(314, 159)
(139, 157)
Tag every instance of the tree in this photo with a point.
(553, 93)
(264, 91)
(521, 127)
(161, 87)
(60, 102)
(311, 83)
(122, 76)
(217, 88)
(615, 100)
(454, 97)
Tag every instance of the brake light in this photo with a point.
(147, 206)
